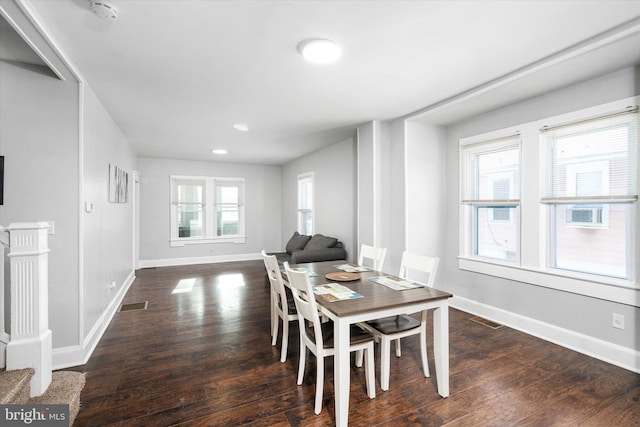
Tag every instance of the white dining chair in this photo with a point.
(393, 328)
(318, 337)
(281, 306)
(374, 255)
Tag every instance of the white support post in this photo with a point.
(30, 345)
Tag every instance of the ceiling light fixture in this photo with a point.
(219, 151)
(103, 10)
(242, 127)
(320, 51)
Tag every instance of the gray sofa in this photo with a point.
(316, 248)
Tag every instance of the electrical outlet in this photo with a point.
(618, 321)
(113, 284)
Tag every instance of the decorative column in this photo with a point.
(30, 345)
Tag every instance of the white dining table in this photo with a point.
(378, 301)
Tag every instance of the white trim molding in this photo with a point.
(65, 357)
(615, 354)
(169, 262)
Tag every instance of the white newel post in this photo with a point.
(30, 345)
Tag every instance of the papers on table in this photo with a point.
(351, 268)
(396, 283)
(335, 292)
(311, 272)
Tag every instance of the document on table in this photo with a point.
(335, 292)
(396, 283)
(351, 268)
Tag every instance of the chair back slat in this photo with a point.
(305, 300)
(375, 255)
(420, 263)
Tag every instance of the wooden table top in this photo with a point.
(375, 296)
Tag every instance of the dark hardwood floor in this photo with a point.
(204, 358)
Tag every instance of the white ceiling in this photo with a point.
(176, 74)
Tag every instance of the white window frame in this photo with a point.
(532, 268)
(303, 179)
(471, 202)
(210, 217)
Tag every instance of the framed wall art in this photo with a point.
(118, 184)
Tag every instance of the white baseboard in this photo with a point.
(168, 262)
(615, 354)
(76, 355)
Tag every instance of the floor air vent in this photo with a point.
(486, 322)
(134, 306)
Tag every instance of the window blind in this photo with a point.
(594, 160)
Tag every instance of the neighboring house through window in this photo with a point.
(590, 176)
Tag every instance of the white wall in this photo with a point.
(577, 321)
(58, 141)
(425, 188)
(39, 138)
(334, 199)
(262, 208)
(108, 231)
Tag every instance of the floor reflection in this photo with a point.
(230, 293)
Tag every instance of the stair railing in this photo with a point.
(30, 344)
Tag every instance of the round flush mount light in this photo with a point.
(320, 51)
(103, 10)
(219, 151)
(242, 127)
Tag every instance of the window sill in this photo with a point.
(610, 289)
(175, 243)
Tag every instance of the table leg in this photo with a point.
(441, 347)
(341, 371)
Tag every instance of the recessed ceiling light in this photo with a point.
(219, 151)
(320, 51)
(242, 127)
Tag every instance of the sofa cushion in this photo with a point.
(297, 242)
(320, 242)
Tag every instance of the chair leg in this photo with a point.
(385, 349)
(285, 340)
(398, 348)
(359, 357)
(276, 321)
(423, 344)
(273, 310)
(303, 355)
(319, 383)
(370, 374)
(423, 352)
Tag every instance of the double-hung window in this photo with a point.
(590, 190)
(305, 203)
(207, 210)
(491, 198)
(571, 180)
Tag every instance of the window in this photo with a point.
(206, 210)
(574, 190)
(227, 209)
(490, 198)
(190, 208)
(591, 191)
(305, 204)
